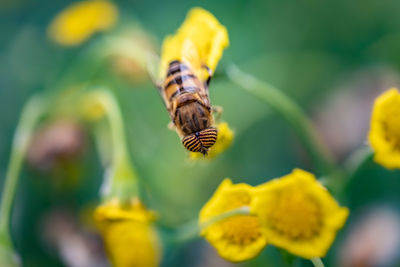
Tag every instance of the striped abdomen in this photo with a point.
(187, 100)
(180, 80)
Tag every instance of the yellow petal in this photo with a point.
(298, 214)
(236, 238)
(200, 41)
(129, 237)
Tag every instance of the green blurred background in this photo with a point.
(331, 57)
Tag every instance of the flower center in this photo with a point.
(241, 230)
(296, 215)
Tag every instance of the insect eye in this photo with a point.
(208, 137)
(191, 143)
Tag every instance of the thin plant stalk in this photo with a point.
(317, 262)
(193, 229)
(29, 117)
(296, 117)
(122, 178)
(356, 162)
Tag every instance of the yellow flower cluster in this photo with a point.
(384, 134)
(199, 41)
(224, 141)
(129, 237)
(293, 212)
(78, 22)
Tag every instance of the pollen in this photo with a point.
(241, 230)
(296, 216)
(384, 135)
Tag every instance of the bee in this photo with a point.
(186, 98)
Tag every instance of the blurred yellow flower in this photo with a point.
(236, 238)
(129, 237)
(298, 214)
(199, 41)
(224, 141)
(384, 134)
(78, 22)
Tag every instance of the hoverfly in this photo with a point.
(186, 98)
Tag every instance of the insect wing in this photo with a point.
(153, 69)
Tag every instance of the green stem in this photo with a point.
(357, 160)
(29, 117)
(82, 67)
(193, 229)
(317, 262)
(93, 59)
(103, 144)
(122, 173)
(353, 165)
(291, 112)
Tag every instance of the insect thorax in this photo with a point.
(192, 117)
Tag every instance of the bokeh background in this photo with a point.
(332, 57)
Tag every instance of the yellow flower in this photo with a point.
(81, 20)
(129, 237)
(200, 40)
(298, 214)
(224, 141)
(384, 135)
(236, 238)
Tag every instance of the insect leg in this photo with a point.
(209, 75)
(218, 110)
(171, 126)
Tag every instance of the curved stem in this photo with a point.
(290, 111)
(317, 262)
(29, 117)
(193, 229)
(123, 177)
(357, 160)
(115, 121)
(353, 165)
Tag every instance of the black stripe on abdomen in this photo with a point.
(176, 66)
(184, 89)
(178, 79)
